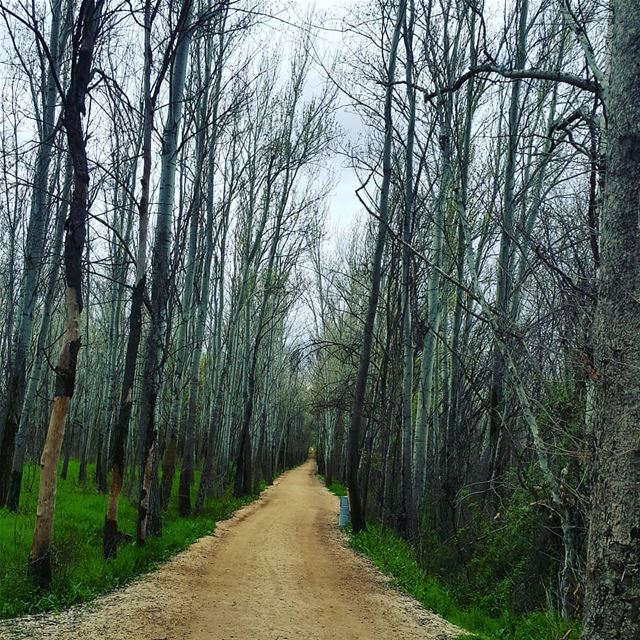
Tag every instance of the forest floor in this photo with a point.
(278, 569)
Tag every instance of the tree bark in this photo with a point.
(74, 107)
(187, 463)
(408, 517)
(35, 378)
(497, 447)
(35, 244)
(154, 348)
(355, 425)
(612, 597)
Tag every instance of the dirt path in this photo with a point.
(279, 569)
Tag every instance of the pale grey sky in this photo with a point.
(344, 208)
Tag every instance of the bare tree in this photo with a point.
(86, 31)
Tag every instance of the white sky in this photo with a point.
(344, 208)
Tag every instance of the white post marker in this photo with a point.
(345, 514)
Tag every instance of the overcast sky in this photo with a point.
(344, 209)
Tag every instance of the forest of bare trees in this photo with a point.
(163, 202)
(471, 371)
(179, 323)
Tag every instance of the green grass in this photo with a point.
(397, 558)
(462, 604)
(79, 571)
(335, 487)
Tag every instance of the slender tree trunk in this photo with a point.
(215, 432)
(243, 484)
(427, 368)
(353, 454)
(86, 31)
(504, 267)
(121, 427)
(181, 360)
(451, 478)
(155, 344)
(187, 463)
(35, 379)
(10, 411)
(408, 518)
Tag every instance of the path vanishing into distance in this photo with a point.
(278, 569)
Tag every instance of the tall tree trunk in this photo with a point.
(243, 483)
(182, 354)
(155, 344)
(35, 378)
(497, 446)
(408, 517)
(121, 428)
(74, 107)
(214, 432)
(36, 234)
(612, 597)
(427, 368)
(353, 454)
(452, 464)
(187, 463)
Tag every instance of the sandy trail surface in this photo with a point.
(278, 569)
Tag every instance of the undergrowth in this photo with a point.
(464, 603)
(335, 487)
(79, 571)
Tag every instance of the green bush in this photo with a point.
(397, 558)
(507, 560)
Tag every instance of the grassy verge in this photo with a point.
(80, 573)
(397, 558)
(335, 487)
